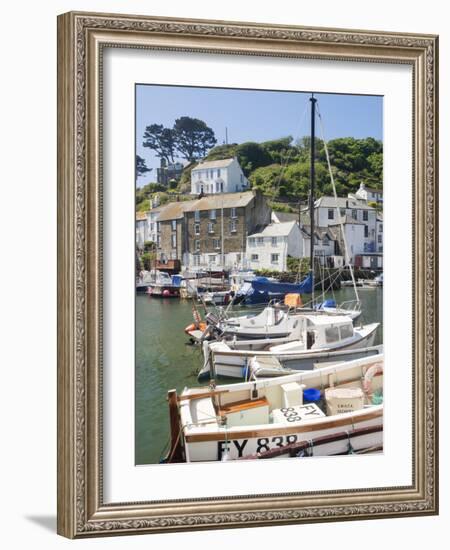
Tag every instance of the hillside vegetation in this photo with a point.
(280, 168)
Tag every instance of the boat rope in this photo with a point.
(347, 258)
(284, 164)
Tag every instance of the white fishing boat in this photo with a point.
(277, 321)
(236, 421)
(316, 335)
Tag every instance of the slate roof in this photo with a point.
(276, 230)
(213, 164)
(342, 202)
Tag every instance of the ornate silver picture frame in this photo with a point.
(82, 39)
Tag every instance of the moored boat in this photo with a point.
(250, 418)
(316, 335)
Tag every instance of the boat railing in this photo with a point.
(351, 305)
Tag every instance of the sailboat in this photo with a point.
(275, 321)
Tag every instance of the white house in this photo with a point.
(324, 245)
(218, 176)
(271, 247)
(358, 211)
(152, 224)
(369, 194)
(141, 229)
(354, 231)
(380, 230)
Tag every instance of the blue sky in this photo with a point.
(253, 115)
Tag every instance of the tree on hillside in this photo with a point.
(141, 166)
(193, 138)
(161, 140)
(252, 155)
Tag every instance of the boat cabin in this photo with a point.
(319, 332)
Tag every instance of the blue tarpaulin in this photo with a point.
(262, 284)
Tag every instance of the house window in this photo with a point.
(326, 241)
(217, 186)
(216, 244)
(365, 215)
(380, 228)
(274, 258)
(260, 241)
(174, 241)
(196, 260)
(233, 213)
(197, 228)
(342, 210)
(174, 225)
(366, 231)
(197, 245)
(251, 241)
(158, 240)
(331, 213)
(212, 259)
(218, 172)
(210, 227)
(380, 238)
(242, 178)
(221, 186)
(233, 226)
(274, 241)
(255, 257)
(158, 227)
(212, 214)
(355, 214)
(197, 215)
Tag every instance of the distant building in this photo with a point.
(271, 247)
(326, 249)
(328, 210)
(168, 171)
(369, 194)
(371, 261)
(379, 232)
(218, 176)
(281, 217)
(199, 231)
(152, 222)
(354, 231)
(141, 230)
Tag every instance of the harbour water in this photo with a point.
(164, 360)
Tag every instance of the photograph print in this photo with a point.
(259, 274)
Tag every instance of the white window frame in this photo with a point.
(210, 227)
(212, 214)
(197, 245)
(197, 216)
(273, 260)
(254, 257)
(174, 225)
(233, 225)
(233, 212)
(274, 241)
(173, 240)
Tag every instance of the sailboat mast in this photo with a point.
(312, 186)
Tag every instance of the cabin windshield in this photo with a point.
(331, 334)
(346, 331)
